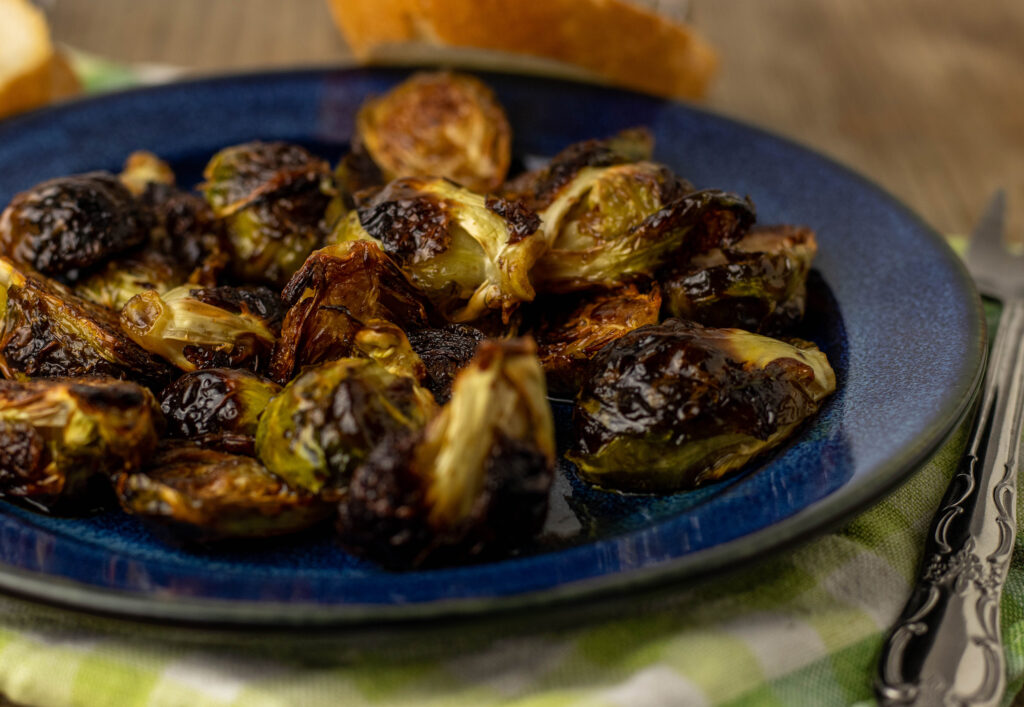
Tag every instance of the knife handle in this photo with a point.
(946, 649)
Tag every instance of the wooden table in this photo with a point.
(926, 98)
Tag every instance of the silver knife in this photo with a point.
(946, 649)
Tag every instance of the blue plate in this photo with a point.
(891, 305)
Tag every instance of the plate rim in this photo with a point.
(804, 525)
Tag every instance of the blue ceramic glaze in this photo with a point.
(891, 306)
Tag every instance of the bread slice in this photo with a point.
(31, 73)
(613, 40)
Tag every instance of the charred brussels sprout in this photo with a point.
(272, 198)
(56, 435)
(206, 327)
(358, 180)
(218, 407)
(471, 254)
(330, 298)
(48, 331)
(187, 231)
(677, 405)
(444, 352)
(142, 169)
(757, 284)
(538, 188)
(120, 280)
(207, 495)
(327, 420)
(386, 343)
(610, 225)
(66, 224)
(436, 124)
(572, 332)
(186, 242)
(474, 483)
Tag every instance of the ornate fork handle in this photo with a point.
(945, 649)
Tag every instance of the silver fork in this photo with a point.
(946, 649)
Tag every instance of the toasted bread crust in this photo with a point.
(618, 41)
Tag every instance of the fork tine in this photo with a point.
(990, 229)
(997, 271)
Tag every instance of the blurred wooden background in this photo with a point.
(926, 98)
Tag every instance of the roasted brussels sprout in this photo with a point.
(538, 188)
(330, 298)
(673, 406)
(327, 421)
(572, 331)
(48, 331)
(610, 225)
(217, 407)
(358, 179)
(387, 344)
(436, 124)
(474, 483)
(64, 225)
(470, 254)
(206, 327)
(206, 495)
(186, 242)
(57, 434)
(121, 279)
(143, 168)
(272, 198)
(444, 352)
(186, 230)
(759, 283)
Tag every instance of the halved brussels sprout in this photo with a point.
(444, 351)
(437, 124)
(610, 225)
(217, 407)
(207, 495)
(63, 225)
(337, 289)
(759, 283)
(387, 344)
(677, 405)
(206, 327)
(538, 188)
(57, 434)
(326, 421)
(471, 254)
(121, 279)
(143, 168)
(474, 483)
(48, 331)
(272, 198)
(572, 331)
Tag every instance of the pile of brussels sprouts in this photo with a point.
(373, 345)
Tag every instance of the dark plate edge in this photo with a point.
(579, 598)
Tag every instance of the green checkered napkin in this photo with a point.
(803, 628)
